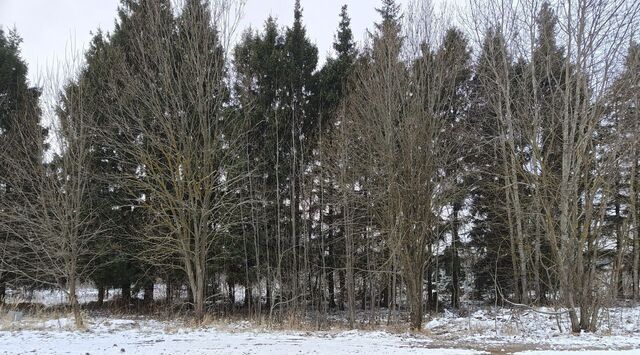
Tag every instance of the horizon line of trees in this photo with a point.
(432, 166)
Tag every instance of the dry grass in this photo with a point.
(34, 317)
(39, 317)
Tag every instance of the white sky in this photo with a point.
(55, 30)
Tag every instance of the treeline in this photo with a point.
(431, 166)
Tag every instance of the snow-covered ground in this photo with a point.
(579, 352)
(534, 332)
(151, 337)
(530, 334)
(482, 330)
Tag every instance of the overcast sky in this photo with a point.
(53, 30)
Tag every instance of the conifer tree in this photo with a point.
(548, 74)
(619, 135)
(496, 265)
(121, 266)
(453, 105)
(299, 122)
(332, 85)
(21, 138)
(259, 88)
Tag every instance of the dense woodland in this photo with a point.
(452, 159)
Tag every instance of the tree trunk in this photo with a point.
(232, 293)
(126, 294)
(331, 284)
(350, 282)
(633, 207)
(101, 292)
(385, 294)
(169, 291)
(199, 303)
(414, 296)
(343, 290)
(455, 274)
(512, 186)
(363, 300)
(508, 208)
(269, 296)
(198, 288)
(517, 213)
(537, 267)
(148, 293)
(351, 293)
(75, 305)
(430, 299)
(3, 292)
(247, 296)
(332, 288)
(617, 290)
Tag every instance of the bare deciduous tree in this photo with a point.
(50, 222)
(186, 146)
(392, 147)
(549, 139)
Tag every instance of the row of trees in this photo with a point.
(497, 160)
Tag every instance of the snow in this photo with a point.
(480, 330)
(484, 331)
(619, 328)
(581, 352)
(153, 337)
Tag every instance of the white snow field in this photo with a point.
(148, 337)
(531, 334)
(619, 328)
(482, 330)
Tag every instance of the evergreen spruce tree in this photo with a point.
(335, 73)
(121, 266)
(118, 266)
(494, 267)
(387, 38)
(21, 136)
(300, 127)
(333, 82)
(453, 104)
(619, 135)
(549, 70)
(259, 89)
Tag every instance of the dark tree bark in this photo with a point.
(332, 288)
(247, 296)
(343, 289)
(148, 293)
(3, 292)
(126, 294)
(455, 274)
(232, 295)
(101, 292)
